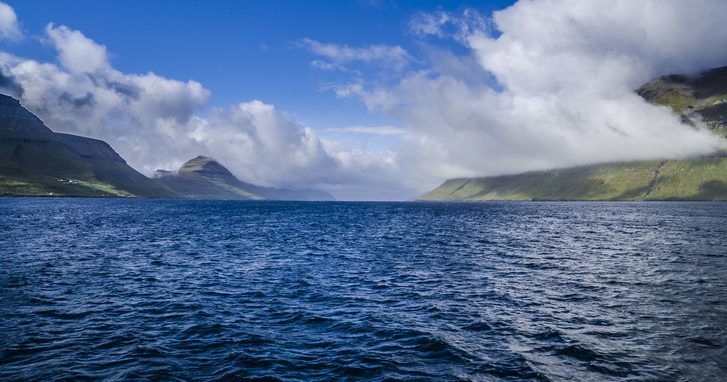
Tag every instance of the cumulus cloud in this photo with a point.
(9, 86)
(562, 94)
(338, 55)
(543, 84)
(86, 95)
(268, 147)
(9, 27)
(76, 52)
(156, 122)
(446, 24)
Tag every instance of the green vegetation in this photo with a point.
(49, 186)
(54, 167)
(690, 179)
(35, 161)
(693, 179)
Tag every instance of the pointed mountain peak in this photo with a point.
(204, 166)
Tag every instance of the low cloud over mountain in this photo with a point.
(538, 85)
(555, 87)
(157, 122)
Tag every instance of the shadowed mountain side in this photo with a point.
(36, 161)
(205, 178)
(705, 178)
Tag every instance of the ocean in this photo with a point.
(132, 289)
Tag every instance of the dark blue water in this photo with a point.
(189, 290)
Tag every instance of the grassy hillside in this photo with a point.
(69, 166)
(52, 186)
(35, 161)
(693, 179)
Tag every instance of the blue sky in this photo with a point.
(364, 99)
(240, 50)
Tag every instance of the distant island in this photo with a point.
(704, 178)
(35, 161)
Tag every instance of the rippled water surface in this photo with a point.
(181, 290)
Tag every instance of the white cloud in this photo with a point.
(323, 65)
(544, 84)
(392, 56)
(264, 145)
(156, 122)
(9, 27)
(562, 94)
(446, 24)
(268, 147)
(76, 52)
(86, 95)
(131, 112)
(373, 130)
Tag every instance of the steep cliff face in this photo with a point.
(36, 161)
(205, 178)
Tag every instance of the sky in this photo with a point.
(369, 100)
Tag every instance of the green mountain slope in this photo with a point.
(205, 178)
(35, 161)
(694, 179)
(702, 178)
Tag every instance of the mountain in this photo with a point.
(704, 95)
(37, 161)
(205, 178)
(703, 178)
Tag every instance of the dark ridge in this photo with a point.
(34, 160)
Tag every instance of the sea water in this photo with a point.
(118, 289)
